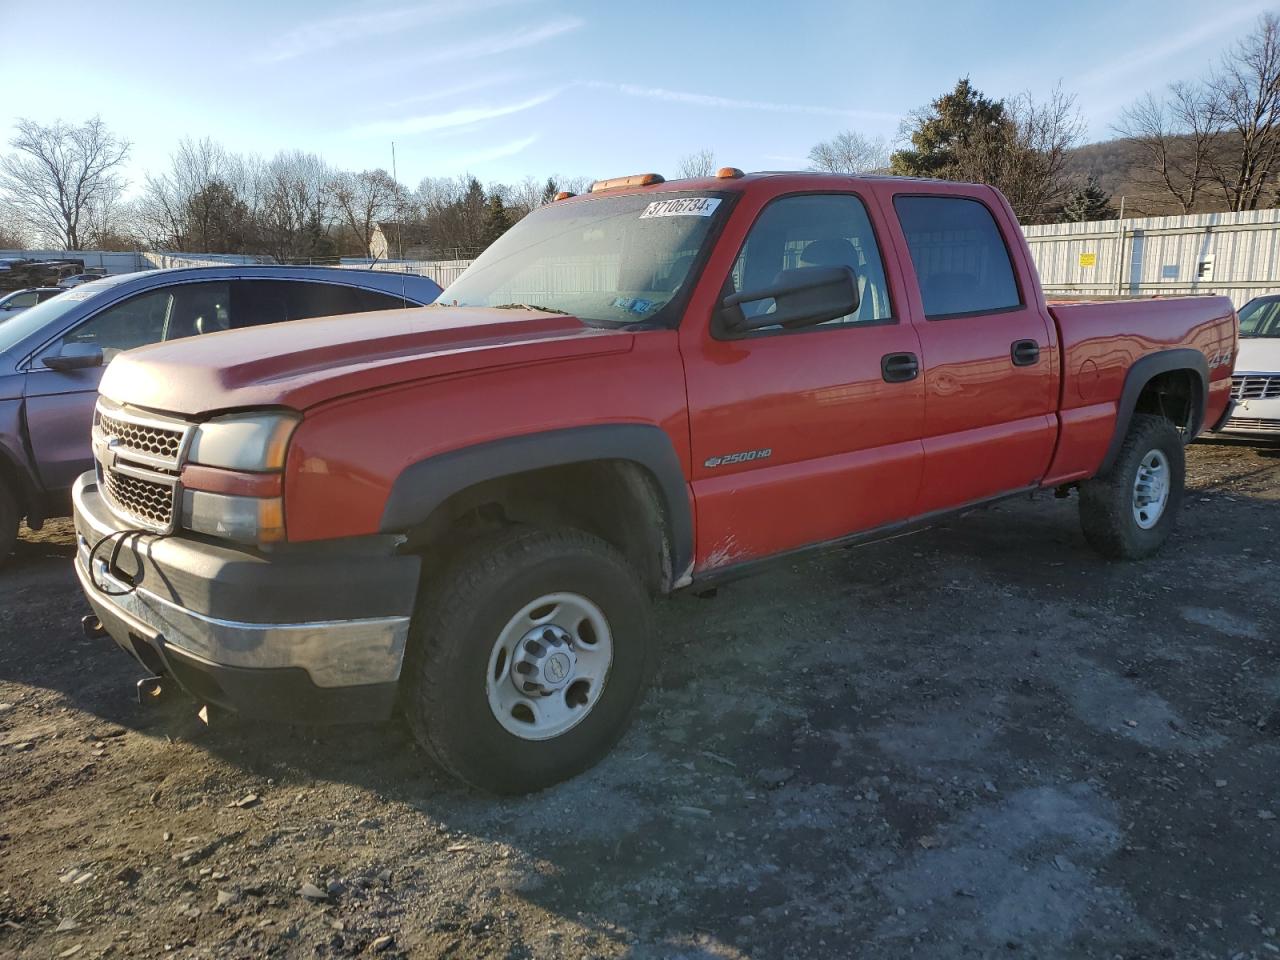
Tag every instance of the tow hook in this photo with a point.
(150, 688)
(92, 627)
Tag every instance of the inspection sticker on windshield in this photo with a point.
(681, 207)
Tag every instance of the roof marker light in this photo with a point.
(729, 173)
(635, 180)
(565, 195)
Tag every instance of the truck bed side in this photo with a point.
(1104, 371)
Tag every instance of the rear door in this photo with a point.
(987, 344)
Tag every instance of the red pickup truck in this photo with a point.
(464, 510)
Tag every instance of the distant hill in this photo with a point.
(1118, 166)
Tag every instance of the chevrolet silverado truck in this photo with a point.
(465, 511)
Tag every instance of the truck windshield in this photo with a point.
(608, 260)
(1260, 318)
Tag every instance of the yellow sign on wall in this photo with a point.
(1088, 259)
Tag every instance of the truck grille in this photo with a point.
(1253, 425)
(157, 441)
(138, 461)
(1255, 387)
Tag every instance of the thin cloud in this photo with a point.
(1139, 58)
(454, 90)
(498, 152)
(496, 44)
(329, 32)
(463, 116)
(731, 103)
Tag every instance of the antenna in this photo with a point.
(395, 177)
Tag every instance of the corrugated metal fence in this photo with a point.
(1234, 254)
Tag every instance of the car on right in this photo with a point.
(1255, 386)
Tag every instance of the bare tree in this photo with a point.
(1246, 95)
(12, 236)
(58, 174)
(175, 210)
(850, 152)
(296, 207)
(364, 200)
(699, 164)
(1180, 140)
(1037, 139)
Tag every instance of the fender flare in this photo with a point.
(1143, 372)
(425, 485)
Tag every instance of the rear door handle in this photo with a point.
(899, 367)
(1025, 353)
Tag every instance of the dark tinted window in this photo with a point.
(814, 231)
(256, 302)
(27, 299)
(960, 259)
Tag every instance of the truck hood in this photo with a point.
(1258, 355)
(306, 362)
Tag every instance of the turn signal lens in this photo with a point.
(250, 520)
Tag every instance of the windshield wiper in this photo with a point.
(529, 306)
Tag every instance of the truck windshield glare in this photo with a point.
(612, 260)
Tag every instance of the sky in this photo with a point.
(505, 89)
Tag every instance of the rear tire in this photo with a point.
(9, 519)
(1129, 512)
(528, 657)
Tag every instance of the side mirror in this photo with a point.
(802, 297)
(75, 356)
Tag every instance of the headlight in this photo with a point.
(252, 520)
(243, 441)
(231, 478)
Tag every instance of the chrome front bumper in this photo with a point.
(165, 593)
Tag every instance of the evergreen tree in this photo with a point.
(1090, 202)
(549, 192)
(497, 219)
(959, 137)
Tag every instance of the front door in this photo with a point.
(798, 436)
(60, 403)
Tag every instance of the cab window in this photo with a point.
(814, 230)
(960, 259)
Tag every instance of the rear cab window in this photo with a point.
(961, 260)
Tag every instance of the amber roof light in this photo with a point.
(565, 194)
(729, 173)
(635, 180)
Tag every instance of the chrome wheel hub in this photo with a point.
(549, 665)
(1151, 489)
(544, 660)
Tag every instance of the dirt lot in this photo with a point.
(979, 740)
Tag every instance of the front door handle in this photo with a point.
(899, 367)
(1025, 353)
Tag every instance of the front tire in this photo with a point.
(1129, 512)
(530, 653)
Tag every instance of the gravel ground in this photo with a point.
(980, 740)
